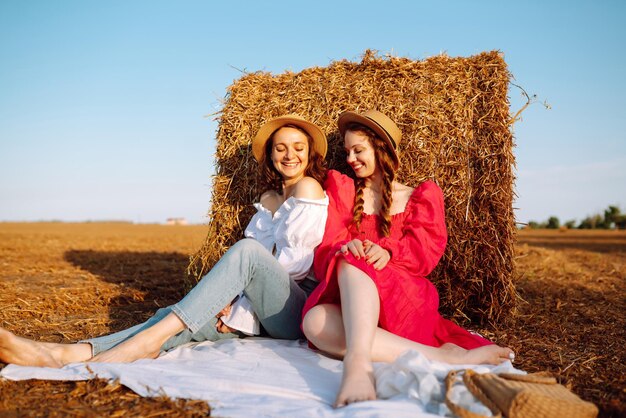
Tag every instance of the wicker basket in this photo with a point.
(518, 396)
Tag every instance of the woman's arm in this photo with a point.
(424, 235)
(300, 233)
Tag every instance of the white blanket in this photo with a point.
(273, 378)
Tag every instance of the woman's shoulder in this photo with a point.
(308, 188)
(426, 191)
(335, 179)
(406, 196)
(403, 191)
(428, 186)
(335, 175)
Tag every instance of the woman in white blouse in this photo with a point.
(267, 270)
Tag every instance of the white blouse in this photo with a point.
(291, 234)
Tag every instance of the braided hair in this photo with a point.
(382, 152)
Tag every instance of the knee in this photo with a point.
(313, 323)
(246, 246)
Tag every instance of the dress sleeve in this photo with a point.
(340, 191)
(424, 235)
(302, 231)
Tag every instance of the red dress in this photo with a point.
(409, 302)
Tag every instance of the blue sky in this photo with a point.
(104, 104)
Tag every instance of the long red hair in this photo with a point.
(382, 153)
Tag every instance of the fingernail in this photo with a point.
(512, 356)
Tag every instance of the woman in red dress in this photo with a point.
(382, 239)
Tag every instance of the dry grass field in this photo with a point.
(63, 282)
(571, 317)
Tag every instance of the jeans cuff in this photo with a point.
(189, 323)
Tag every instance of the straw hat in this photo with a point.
(271, 126)
(377, 122)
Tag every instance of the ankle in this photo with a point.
(74, 353)
(358, 358)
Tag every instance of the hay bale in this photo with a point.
(454, 114)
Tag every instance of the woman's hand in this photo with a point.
(355, 246)
(376, 255)
(220, 326)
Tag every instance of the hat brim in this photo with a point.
(348, 117)
(260, 139)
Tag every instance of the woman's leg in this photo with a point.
(323, 326)
(33, 353)
(25, 352)
(276, 299)
(206, 333)
(146, 343)
(247, 266)
(360, 309)
(347, 332)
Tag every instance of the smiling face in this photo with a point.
(290, 153)
(360, 154)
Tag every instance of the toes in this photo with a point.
(505, 354)
(347, 401)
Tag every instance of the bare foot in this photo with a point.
(489, 354)
(357, 383)
(25, 352)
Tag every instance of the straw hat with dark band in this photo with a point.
(384, 127)
(271, 126)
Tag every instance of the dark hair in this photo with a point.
(271, 179)
(382, 153)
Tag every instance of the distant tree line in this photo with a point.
(613, 218)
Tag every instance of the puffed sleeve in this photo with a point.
(340, 191)
(300, 233)
(424, 235)
(261, 227)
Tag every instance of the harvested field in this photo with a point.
(63, 282)
(571, 317)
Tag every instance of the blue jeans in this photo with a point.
(247, 266)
